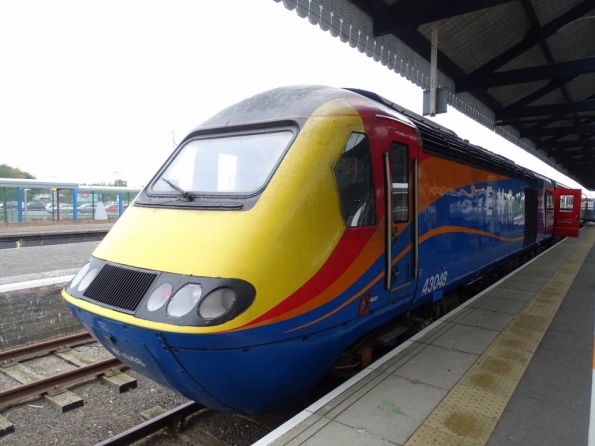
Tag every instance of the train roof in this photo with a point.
(292, 102)
(297, 102)
(440, 141)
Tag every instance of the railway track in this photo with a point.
(55, 383)
(166, 420)
(45, 347)
(193, 425)
(10, 365)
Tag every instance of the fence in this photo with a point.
(36, 201)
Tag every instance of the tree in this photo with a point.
(6, 171)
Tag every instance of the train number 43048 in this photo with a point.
(434, 282)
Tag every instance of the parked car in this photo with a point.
(13, 204)
(114, 208)
(35, 206)
(64, 207)
(87, 208)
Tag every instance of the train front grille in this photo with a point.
(121, 288)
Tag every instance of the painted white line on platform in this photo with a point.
(283, 429)
(35, 283)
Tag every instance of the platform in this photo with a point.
(19, 235)
(512, 366)
(63, 227)
(24, 261)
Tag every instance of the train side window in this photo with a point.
(353, 173)
(566, 202)
(549, 200)
(400, 182)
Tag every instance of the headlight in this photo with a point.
(80, 275)
(89, 277)
(159, 296)
(217, 303)
(184, 300)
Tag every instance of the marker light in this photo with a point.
(159, 296)
(184, 300)
(217, 303)
(89, 277)
(364, 305)
(80, 275)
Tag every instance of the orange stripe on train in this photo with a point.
(424, 237)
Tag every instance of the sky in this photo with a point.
(98, 90)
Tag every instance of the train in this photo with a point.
(587, 209)
(286, 228)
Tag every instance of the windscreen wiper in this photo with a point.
(179, 189)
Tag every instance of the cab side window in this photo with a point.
(400, 182)
(353, 173)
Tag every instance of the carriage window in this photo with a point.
(356, 184)
(400, 182)
(566, 203)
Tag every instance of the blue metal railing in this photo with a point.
(62, 201)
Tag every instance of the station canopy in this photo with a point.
(524, 68)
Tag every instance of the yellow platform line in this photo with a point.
(469, 413)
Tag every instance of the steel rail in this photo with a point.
(41, 348)
(153, 425)
(42, 386)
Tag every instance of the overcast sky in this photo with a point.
(91, 91)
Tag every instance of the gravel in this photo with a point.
(48, 366)
(104, 414)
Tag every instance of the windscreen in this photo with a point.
(239, 164)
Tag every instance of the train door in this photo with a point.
(400, 175)
(549, 209)
(567, 203)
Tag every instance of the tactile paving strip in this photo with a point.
(426, 436)
(470, 411)
(476, 400)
